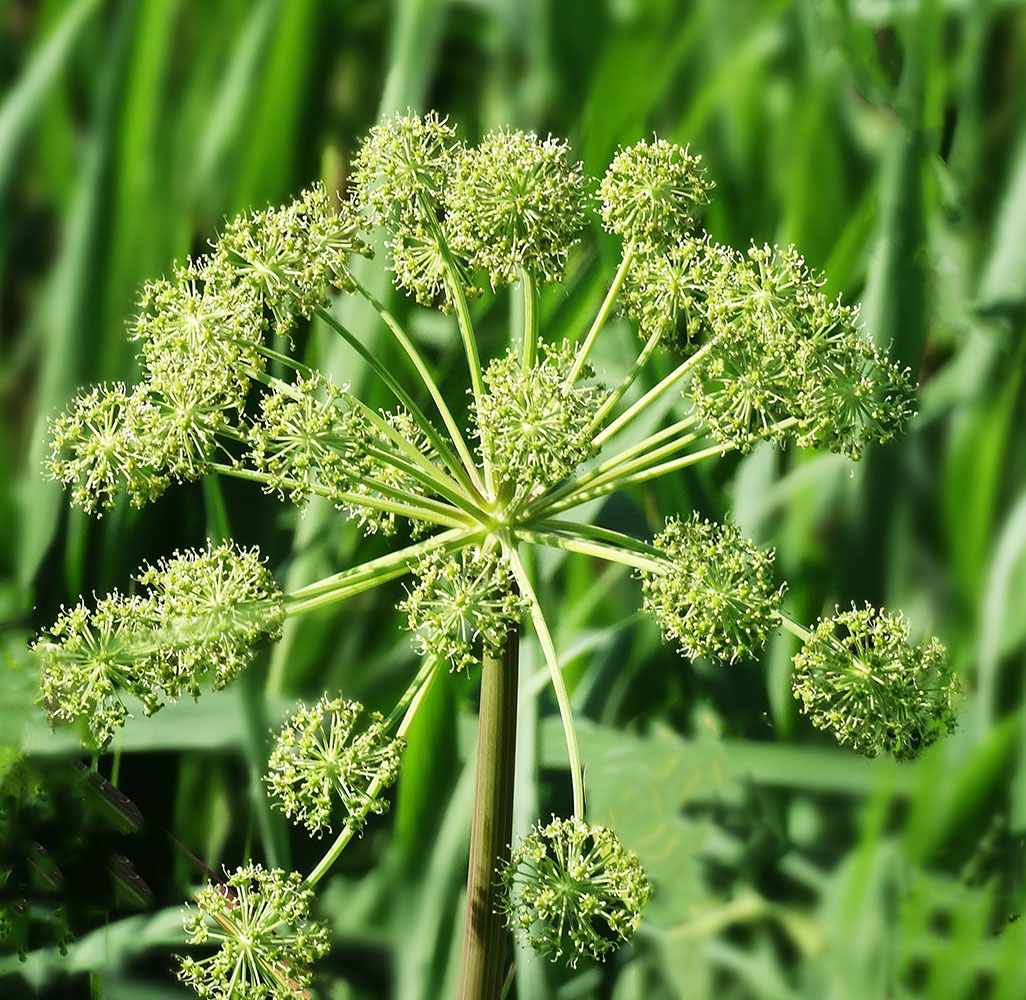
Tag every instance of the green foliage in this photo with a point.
(886, 142)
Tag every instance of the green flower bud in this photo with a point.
(573, 891)
(716, 597)
(259, 921)
(318, 765)
(461, 604)
(651, 191)
(516, 202)
(533, 425)
(859, 677)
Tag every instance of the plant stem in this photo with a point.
(566, 714)
(654, 393)
(530, 287)
(483, 963)
(603, 314)
(425, 374)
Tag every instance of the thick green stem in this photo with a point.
(483, 964)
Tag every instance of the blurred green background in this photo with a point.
(887, 139)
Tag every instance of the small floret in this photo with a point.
(462, 606)
(259, 920)
(516, 202)
(651, 192)
(320, 765)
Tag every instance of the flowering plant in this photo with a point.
(761, 353)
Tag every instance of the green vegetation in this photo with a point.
(882, 143)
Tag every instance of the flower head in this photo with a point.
(200, 618)
(259, 920)
(104, 446)
(318, 764)
(786, 362)
(92, 659)
(651, 191)
(290, 257)
(674, 290)
(573, 890)
(535, 426)
(516, 202)
(403, 168)
(716, 597)
(214, 605)
(859, 677)
(462, 602)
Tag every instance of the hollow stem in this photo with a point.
(483, 963)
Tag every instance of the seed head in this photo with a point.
(716, 597)
(859, 677)
(259, 920)
(318, 764)
(573, 890)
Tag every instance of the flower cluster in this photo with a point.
(201, 337)
(651, 192)
(716, 595)
(573, 891)
(291, 257)
(789, 362)
(259, 921)
(516, 203)
(462, 605)
(534, 425)
(860, 677)
(199, 621)
(318, 764)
